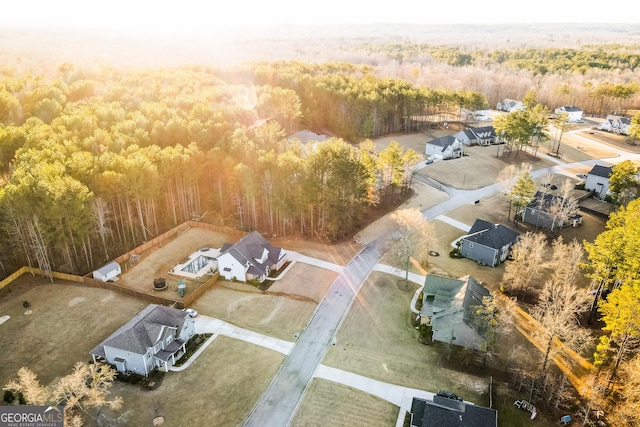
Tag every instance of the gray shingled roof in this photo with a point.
(468, 133)
(248, 251)
(603, 171)
(443, 141)
(444, 412)
(450, 309)
(491, 235)
(481, 131)
(142, 331)
(570, 108)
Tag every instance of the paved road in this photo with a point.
(279, 402)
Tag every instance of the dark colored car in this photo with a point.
(449, 395)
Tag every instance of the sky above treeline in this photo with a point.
(188, 15)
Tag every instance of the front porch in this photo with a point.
(168, 356)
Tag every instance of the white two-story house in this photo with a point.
(250, 258)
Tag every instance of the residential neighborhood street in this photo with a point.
(278, 403)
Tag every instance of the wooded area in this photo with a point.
(96, 160)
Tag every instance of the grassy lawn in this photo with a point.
(377, 340)
(329, 404)
(245, 306)
(67, 322)
(218, 389)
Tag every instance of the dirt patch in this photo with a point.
(157, 262)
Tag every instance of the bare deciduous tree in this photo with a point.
(624, 411)
(525, 267)
(413, 238)
(563, 208)
(84, 393)
(558, 310)
(27, 385)
(567, 261)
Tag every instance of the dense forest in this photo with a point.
(97, 158)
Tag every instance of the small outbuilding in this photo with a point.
(108, 272)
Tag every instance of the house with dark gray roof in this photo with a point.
(444, 412)
(488, 243)
(250, 258)
(574, 114)
(466, 136)
(598, 180)
(550, 211)
(448, 307)
(485, 135)
(616, 124)
(445, 147)
(155, 338)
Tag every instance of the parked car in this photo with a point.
(191, 312)
(449, 395)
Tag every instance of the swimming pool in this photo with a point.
(198, 264)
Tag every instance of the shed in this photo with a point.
(107, 272)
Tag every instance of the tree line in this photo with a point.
(95, 161)
(601, 79)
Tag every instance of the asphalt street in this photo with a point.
(278, 404)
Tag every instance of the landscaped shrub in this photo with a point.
(192, 346)
(425, 335)
(8, 397)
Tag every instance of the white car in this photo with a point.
(191, 312)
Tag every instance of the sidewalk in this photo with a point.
(395, 394)
(398, 395)
(296, 256)
(457, 224)
(211, 325)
